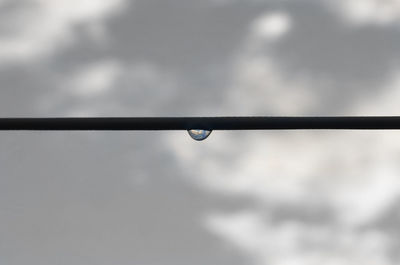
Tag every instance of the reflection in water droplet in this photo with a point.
(199, 134)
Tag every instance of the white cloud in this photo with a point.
(112, 88)
(352, 173)
(95, 79)
(272, 25)
(39, 27)
(369, 11)
(296, 243)
(258, 84)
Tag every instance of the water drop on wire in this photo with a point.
(199, 134)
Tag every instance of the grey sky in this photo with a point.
(159, 198)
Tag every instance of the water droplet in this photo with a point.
(199, 134)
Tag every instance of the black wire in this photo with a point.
(209, 123)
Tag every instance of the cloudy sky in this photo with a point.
(160, 198)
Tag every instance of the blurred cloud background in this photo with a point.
(156, 198)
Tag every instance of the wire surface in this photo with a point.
(209, 123)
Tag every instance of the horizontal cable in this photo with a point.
(209, 123)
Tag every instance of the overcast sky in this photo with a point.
(160, 198)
